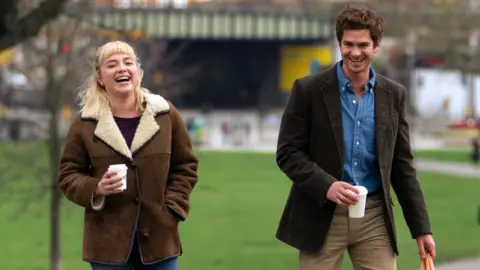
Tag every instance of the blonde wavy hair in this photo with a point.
(92, 96)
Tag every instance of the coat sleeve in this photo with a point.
(404, 177)
(74, 179)
(183, 168)
(293, 145)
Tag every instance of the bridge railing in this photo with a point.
(291, 6)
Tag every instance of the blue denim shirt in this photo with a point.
(360, 157)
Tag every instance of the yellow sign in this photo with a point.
(6, 57)
(297, 61)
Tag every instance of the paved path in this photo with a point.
(453, 169)
(448, 168)
(471, 264)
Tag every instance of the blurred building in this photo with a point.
(291, 5)
(142, 3)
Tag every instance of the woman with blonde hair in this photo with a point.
(122, 123)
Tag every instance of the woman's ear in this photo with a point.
(140, 75)
(100, 81)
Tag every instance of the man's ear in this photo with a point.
(377, 47)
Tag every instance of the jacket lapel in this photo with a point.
(382, 109)
(146, 129)
(331, 98)
(107, 129)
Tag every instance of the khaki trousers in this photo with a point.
(366, 240)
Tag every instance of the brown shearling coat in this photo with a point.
(162, 171)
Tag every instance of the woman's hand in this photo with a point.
(109, 184)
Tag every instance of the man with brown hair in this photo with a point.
(342, 128)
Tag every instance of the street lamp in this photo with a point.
(410, 51)
(473, 45)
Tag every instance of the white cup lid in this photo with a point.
(117, 166)
(362, 190)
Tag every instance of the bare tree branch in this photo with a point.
(177, 83)
(164, 74)
(15, 29)
(169, 58)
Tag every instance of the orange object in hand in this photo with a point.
(427, 263)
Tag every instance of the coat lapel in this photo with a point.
(331, 98)
(382, 109)
(108, 131)
(146, 129)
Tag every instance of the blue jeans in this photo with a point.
(135, 263)
(169, 264)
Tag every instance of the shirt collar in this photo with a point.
(344, 82)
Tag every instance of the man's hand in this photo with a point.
(426, 245)
(342, 193)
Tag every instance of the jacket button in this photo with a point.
(145, 234)
(137, 201)
(132, 164)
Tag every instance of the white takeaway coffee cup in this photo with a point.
(121, 170)
(358, 210)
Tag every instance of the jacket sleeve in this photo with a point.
(183, 168)
(74, 179)
(404, 177)
(293, 146)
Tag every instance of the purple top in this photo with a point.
(128, 127)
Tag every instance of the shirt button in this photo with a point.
(358, 122)
(355, 163)
(358, 143)
(354, 102)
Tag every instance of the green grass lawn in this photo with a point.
(461, 156)
(235, 211)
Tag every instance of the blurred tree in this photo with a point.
(442, 27)
(54, 63)
(164, 72)
(20, 20)
(425, 29)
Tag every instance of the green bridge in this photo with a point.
(217, 24)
